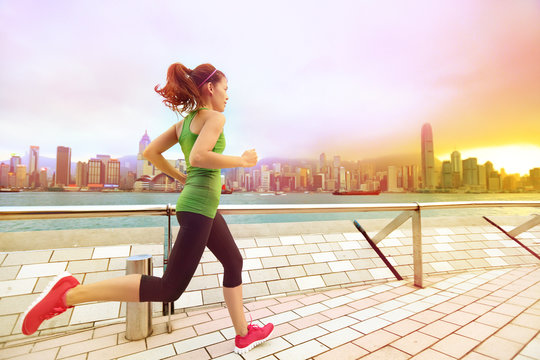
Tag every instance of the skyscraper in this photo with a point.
(143, 143)
(4, 171)
(81, 179)
(457, 169)
(470, 172)
(113, 172)
(33, 166)
(428, 158)
(13, 162)
(63, 165)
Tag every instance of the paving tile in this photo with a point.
(220, 349)
(414, 343)
(156, 353)
(339, 337)
(282, 286)
(95, 312)
(64, 340)
(86, 266)
(517, 333)
(86, 346)
(198, 342)
(16, 287)
(337, 312)
(370, 325)
(302, 351)
(477, 331)
(252, 264)
(12, 352)
(476, 356)
(310, 282)
(430, 354)
(27, 257)
(113, 352)
(527, 320)
(264, 275)
(199, 354)
(315, 319)
(258, 252)
(289, 272)
(306, 334)
(300, 259)
(274, 262)
(499, 348)
(40, 355)
(348, 351)
(72, 254)
(310, 309)
(280, 318)
(104, 252)
(439, 329)
(494, 319)
(460, 318)
(381, 273)
(386, 353)
(283, 250)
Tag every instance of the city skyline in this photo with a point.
(325, 174)
(336, 76)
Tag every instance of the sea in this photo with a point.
(152, 198)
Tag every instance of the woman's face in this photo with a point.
(220, 97)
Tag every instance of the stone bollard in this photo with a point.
(139, 314)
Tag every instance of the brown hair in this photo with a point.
(182, 91)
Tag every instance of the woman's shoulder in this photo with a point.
(212, 115)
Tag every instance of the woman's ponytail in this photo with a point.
(181, 92)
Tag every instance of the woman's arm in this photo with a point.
(202, 155)
(161, 144)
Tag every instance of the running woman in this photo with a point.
(202, 94)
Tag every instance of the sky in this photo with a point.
(351, 78)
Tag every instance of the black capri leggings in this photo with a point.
(196, 232)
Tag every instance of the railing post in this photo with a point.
(417, 247)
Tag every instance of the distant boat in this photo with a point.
(357, 192)
(224, 190)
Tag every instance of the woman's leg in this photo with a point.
(124, 288)
(183, 261)
(222, 245)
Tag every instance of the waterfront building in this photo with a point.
(4, 174)
(33, 167)
(265, 180)
(457, 169)
(12, 180)
(447, 172)
(96, 172)
(318, 182)
(113, 172)
(63, 166)
(494, 182)
(13, 162)
(428, 158)
(489, 170)
(142, 163)
(392, 179)
(510, 182)
(341, 179)
(43, 178)
(482, 177)
(21, 176)
(81, 177)
(470, 172)
(534, 175)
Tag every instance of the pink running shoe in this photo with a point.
(52, 302)
(255, 336)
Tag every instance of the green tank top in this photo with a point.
(202, 189)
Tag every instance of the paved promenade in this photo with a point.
(328, 294)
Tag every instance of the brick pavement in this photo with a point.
(328, 294)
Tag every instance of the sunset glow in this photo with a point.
(514, 159)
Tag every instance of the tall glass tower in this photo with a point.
(428, 159)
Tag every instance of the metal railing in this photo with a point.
(408, 211)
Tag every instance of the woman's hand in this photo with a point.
(249, 158)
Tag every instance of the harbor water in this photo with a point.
(146, 198)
